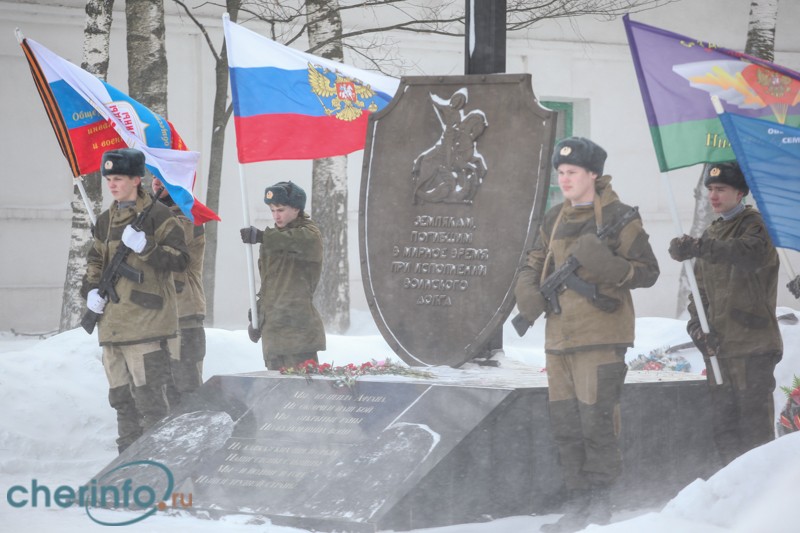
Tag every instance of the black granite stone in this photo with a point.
(391, 454)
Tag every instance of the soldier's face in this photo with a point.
(576, 183)
(723, 198)
(157, 186)
(283, 214)
(123, 188)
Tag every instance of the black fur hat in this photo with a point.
(726, 173)
(125, 161)
(581, 152)
(285, 193)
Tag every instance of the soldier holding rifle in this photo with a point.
(136, 304)
(590, 324)
(737, 275)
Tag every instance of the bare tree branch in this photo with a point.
(202, 29)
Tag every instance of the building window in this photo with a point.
(564, 122)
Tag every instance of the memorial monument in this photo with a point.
(453, 189)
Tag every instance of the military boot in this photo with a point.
(128, 418)
(576, 512)
(599, 511)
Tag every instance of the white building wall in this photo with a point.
(585, 61)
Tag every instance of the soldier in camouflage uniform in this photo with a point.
(186, 361)
(290, 263)
(585, 346)
(737, 274)
(134, 331)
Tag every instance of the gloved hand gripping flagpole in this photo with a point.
(688, 266)
(251, 276)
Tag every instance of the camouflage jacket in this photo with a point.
(737, 275)
(146, 311)
(189, 283)
(581, 325)
(290, 264)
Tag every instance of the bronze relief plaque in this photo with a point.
(453, 190)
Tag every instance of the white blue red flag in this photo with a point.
(769, 155)
(291, 105)
(90, 117)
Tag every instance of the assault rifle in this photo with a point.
(565, 278)
(117, 267)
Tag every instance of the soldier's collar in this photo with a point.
(727, 215)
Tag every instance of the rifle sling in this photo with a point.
(549, 257)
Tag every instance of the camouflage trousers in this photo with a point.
(584, 391)
(743, 407)
(276, 362)
(186, 363)
(137, 374)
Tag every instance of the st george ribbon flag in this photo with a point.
(90, 117)
(289, 104)
(769, 155)
(678, 74)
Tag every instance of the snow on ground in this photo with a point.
(58, 429)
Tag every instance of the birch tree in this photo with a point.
(761, 44)
(329, 184)
(761, 29)
(95, 60)
(147, 54)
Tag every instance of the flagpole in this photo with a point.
(251, 275)
(78, 180)
(787, 263)
(688, 267)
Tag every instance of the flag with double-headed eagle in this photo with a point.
(289, 104)
(677, 77)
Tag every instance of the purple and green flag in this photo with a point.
(678, 75)
(769, 155)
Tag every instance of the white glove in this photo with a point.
(95, 302)
(135, 240)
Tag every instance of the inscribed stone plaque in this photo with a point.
(453, 189)
(308, 449)
(396, 454)
(304, 453)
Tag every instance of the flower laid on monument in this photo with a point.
(790, 415)
(348, 374)
(659, 360)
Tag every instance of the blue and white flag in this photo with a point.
(90, 117)
(769, 155)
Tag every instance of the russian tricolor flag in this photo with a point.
(291, 105)
(90, 117)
